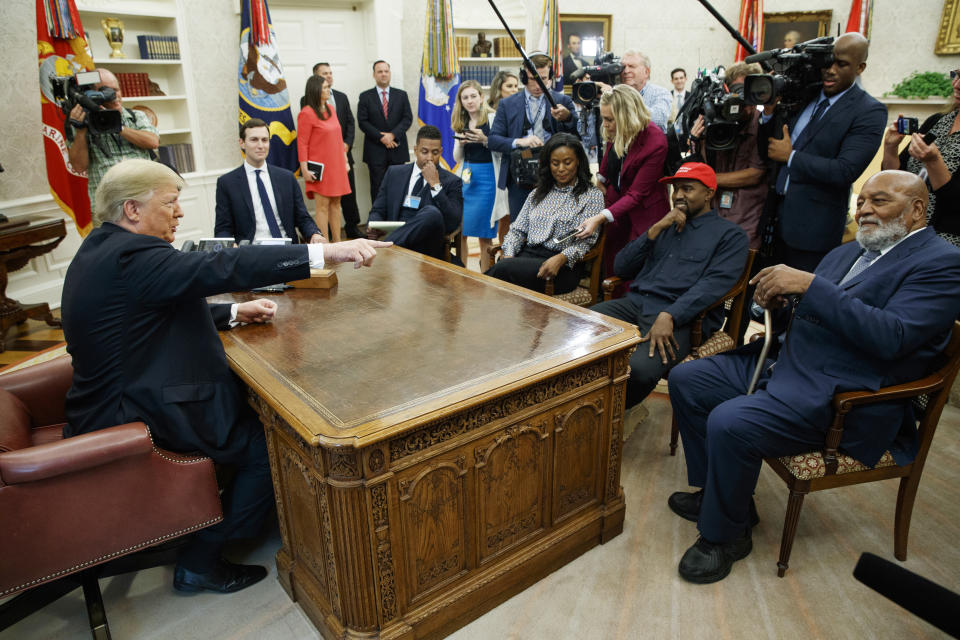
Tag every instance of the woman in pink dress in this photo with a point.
(319, 139)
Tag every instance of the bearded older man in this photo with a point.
(875, 313)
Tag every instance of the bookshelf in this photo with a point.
(176, 120)
(504, 55)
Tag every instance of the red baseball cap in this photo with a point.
(694, 171)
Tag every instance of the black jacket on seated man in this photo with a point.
(680, 273)
(234, 209)
(438, 212)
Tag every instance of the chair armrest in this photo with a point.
(494, 249)
(608, 285)
(844, 402)
(74, 454)
(42, 388)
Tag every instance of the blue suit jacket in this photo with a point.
(235, 205)
(509, 124)
(884, 327)
(393, 191)
(839, 148)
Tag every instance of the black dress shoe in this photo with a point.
(225, 577)
(707, 562)
(686, 504)
(353, 232)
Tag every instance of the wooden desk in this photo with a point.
(438, 441)
(18, 246)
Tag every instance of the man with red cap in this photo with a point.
(683, 264)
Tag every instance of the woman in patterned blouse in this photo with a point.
(934, 155)
(540, 245)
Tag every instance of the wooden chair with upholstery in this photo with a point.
(587, 292)
(831, 468)
(453, 244)
(72, 506)
(723, 339)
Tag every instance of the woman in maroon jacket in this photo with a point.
(632, 165)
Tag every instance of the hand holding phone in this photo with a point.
(907, 126)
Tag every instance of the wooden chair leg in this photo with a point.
(901, 525)
(794, 504)
(674, 435)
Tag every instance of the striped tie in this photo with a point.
(864, 261)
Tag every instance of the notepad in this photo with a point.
(385, 225)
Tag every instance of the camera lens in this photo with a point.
(758, 89)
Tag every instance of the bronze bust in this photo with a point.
(483, 46)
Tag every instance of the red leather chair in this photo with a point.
(70, 505)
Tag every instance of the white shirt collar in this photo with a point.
(885, 251)
(250, 168)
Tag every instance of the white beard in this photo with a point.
(886, 234)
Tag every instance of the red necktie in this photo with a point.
(383, 95)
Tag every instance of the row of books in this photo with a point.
(133, 84)
(482, 73)
(179, 156)
(159, 47)
(503, 46)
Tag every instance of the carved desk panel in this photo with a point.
(438, 441)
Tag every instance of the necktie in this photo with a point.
(784, 172)
(864, 261)
(417, 186)
(267, 207)
(383, 101)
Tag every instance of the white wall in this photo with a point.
(678, 33)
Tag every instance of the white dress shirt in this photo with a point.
(416, 173)
(263, 230)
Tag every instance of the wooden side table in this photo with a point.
(21, 242)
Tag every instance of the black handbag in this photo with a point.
(524, 167)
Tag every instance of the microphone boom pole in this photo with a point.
(526, 61)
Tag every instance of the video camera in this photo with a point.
(70, 91)
(606, 68)
(796, 80)
(722, 110)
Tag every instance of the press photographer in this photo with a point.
(724, 136)
(823, 147)
(636, 73)
(95, 149)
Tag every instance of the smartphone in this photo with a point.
(907, 126)
(459, 137)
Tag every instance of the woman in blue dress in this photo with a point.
(470, 126)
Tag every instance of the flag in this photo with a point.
(439, 75)
(62, 51)
(861, 15)
(550, 42)
(263, 91)
(751, 26)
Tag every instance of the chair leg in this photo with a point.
(95, 611)
(901, 526)
(29, 602)
(794, 504)
(674, 435)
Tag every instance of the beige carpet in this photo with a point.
(627, 588)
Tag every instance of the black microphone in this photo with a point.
(925, 599)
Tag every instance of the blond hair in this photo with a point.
(740, 70)
(134, 179)
(460, 119)
(629, 113)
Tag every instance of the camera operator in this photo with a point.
(95, 154)
(526, 120)
(741, 172)
(823, 148)
(636, 73)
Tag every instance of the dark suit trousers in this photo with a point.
(516, 196)
(727, 434)
(422, 231)
(645, 372)
(348, 203)
(522, 270)
(246, 501)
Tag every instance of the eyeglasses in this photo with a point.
(954, 74)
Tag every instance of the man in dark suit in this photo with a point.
(876, 312)
(526, 120)
(340, 104)
(257, 200)
(573, 60)
(824, 149)
(145, 347)
(422, 194)
(384, 116)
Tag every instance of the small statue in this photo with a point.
(483, 46)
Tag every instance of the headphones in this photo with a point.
(524, 78)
